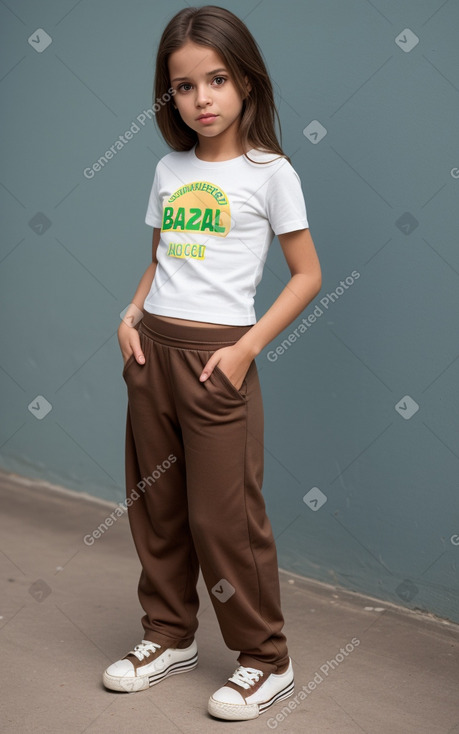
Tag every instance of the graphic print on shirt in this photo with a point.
(198, 207)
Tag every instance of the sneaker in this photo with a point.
(246, 695)
(147, 664)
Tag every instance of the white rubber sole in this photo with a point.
(132, 684)
(243, 712)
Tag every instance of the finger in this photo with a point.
(208, 368)
(137, 349)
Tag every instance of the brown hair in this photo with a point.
(223, 31)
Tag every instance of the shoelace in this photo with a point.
(144, 649)
(246, 677)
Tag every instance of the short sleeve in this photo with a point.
(286, 207)
(154, 215)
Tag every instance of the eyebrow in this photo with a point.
(209, 73)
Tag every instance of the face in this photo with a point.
(206, 97)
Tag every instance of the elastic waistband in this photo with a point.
(189, 337)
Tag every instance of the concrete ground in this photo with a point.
(69, 609)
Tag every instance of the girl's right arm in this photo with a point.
(128, 336)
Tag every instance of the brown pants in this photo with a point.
(194, 471)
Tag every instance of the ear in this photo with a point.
(247, 84)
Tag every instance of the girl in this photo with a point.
(194, 430)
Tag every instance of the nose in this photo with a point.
(203, 97)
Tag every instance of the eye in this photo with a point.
(219, 80)
(181, 87)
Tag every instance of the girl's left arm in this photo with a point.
(303, 286)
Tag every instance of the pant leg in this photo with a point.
(223, 443)
(155, 471)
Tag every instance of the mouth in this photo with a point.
(207, 116)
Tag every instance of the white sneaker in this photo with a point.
(147, 665)
(246, 695)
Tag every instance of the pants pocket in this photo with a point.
(127, 364)
(131, 360)
(241, 393)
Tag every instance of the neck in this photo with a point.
(221, 147)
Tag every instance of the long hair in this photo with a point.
(224, 32)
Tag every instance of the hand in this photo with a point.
(129, 342)
(234, 361)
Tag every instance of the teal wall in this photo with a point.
(362, 440)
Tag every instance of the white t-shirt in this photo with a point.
(217, 222)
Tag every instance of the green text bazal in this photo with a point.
(194, 220)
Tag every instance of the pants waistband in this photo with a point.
(190, 337)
